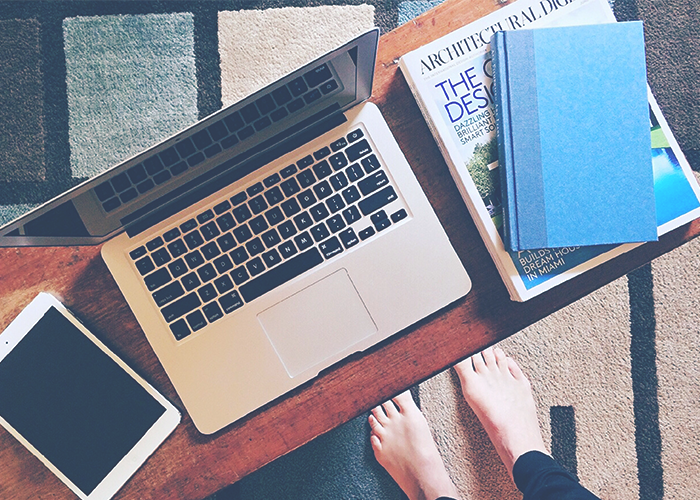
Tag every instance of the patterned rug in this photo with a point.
(84, 84)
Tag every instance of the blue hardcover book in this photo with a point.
(574, 136)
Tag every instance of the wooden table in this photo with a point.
(190, 465)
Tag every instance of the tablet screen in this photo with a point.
(72, 402)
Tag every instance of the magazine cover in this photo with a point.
(451, 80)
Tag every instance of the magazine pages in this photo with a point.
(451, 81)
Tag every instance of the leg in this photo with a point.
(500, 395)
(404, 446)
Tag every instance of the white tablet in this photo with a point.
(83, 412)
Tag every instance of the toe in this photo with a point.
(501, 359)
(379, 415)
(390, 409)
(489, 358)
(405, 402)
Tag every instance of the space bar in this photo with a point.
(281, 274)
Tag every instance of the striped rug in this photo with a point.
(84, 84)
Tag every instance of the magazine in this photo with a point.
(451, 80)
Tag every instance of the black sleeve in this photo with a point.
(540, 477)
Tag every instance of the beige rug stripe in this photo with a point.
(676, 292)
(277, 41)
(577, 357)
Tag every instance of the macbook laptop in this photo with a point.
(266, 242)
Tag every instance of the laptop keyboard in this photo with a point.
(221, 135)
(266, 235)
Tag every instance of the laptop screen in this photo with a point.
(207, 156)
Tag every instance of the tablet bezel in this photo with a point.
(146, 445)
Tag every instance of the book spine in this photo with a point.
(499, 63)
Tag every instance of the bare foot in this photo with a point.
(500, 395)
(404, 446)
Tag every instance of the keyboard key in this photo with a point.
(206, 272)
(167, 157)
(242, 233)
(274, 216)
(239, 198)
(154, 164)
(223, 283)
(201, 139)
(226, 242)
(370, 164)
(287, 172)
(297, 87)
(155, 243)
(205, 216)
(226, 222)
(138, 252)
(223, 264)
(210, 231)
(258, 204)
(287, 229)
(240, 275)
(137, 174)
(242, 214)
(231, 302)
(104, 191)
(307, 161)
(156, 280)
(255, 246)
(349, 238)
(306, 198)
(290, 207)
(121, 182)
(162, 177)
(250, 113)
(171, 292)
(373, 182)
(194, 259)
(129, 195)
(354, 172)
(265, 104)
(278, 114)
(212, 312)
(303, 220)
(322, 190)
(207, 293)
(255, 266)
(271, 180)
(282, 96)
(179, 168)
(317, 75)
(181, 307)
(306, 178)
(161, 257)
(246, 132)
(377, 200)
(355, 135)
(217, 131)
(196, 320)
(287, 249)
(351, 214)
(339, 181)
(274, 196)
(188, 225)
(366, 233)
(331, 247)
(338, 161)
(319, 212)
(171, 234)
(185, 148)
(191, 281)
(259, 224)
(213, 150)
(177, 268)
(281, 274)
(328, 87)
(271, 258)
(399, 215)
(351, 195)
(358, 150)
(296, 105)
(290, 187)
(322, 169)
(177, 248)
(322, 153)
(210, 250)
(312, 96)
(335, 203)
(320, 232)
(336, 223)
(112, 204)
(271, 238)
(234, 121)
(239, 255)
(339, 144)
(303, 241)
(180, 329)
(229, 142)
(145, 186)
(193, 239)
(262, 123)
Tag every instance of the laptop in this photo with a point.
(266, 242)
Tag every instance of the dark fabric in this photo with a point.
(540, 477)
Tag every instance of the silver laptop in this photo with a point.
(266, 242)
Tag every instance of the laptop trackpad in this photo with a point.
(317, 323)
